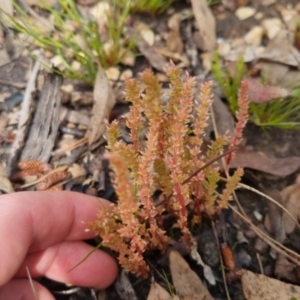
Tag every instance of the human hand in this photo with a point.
(44, 231)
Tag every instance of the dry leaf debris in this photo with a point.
(263, 162)
(157, 292)
(259, 93)
(260, 287)
(192, 284)
(104, 100)
(291, 201)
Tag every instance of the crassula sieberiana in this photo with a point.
(163, 161)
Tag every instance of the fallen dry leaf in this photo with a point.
(284, 269)
(260, 287)
(157, 292)
(291, 201)
(273, 72)
(185, 280)
(5, 184)
(263, 162)
(274, 218)
(104, 100)
(206, 24)
(281, 50)
(124, 287)
(259, 93)
(156, 60)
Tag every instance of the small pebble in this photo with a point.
(126, 74)
(148, 35)
(223, 48)
(259, 16)
(128, 59)
(254, 36)
(245, 12)
(267, 2)
(57, 62)
(13, 100)
(257, 215)
(272, 26)
(66, 91)
(113, 73)
(76, 65)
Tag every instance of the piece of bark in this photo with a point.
(43, 131)
(24, 119)
(265, 163)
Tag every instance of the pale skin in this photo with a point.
(44, 231)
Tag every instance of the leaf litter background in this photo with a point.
(62, 122)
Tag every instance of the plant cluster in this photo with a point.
(79, 38)
(281, 113)
(169, 160)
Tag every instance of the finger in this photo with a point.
(33, 221)
(98, 270)
(20, 289)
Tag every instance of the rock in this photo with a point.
(76, 65)
(113, 73)
(272, 26)
(237, 42)
(128, 59)
(207, 59)
(245, 12)
(267, 2)
(259, 16)
(126, 74)
(162, 77)
(66, 91)
(57, 62)
(254, 36)
(223, 48)
(247, 52)
(148, 35)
